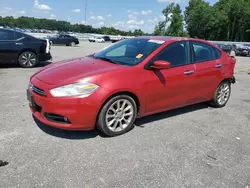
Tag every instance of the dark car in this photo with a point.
(228, 48)
(25, 49)
(106, 38)
(244, 50)
(64, 40)
(116, 40)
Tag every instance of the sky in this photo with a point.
(121, 14)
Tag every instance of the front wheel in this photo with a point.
(28, 59)
(221, 95)
(117, 116)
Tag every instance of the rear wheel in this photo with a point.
(28, 59)
(73, 44)
(221, 95)
(117, 115)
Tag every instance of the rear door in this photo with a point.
(208, 64)
(8, 48)
(57, 39)
(68, 39)
(64, 39)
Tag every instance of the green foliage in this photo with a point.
(35, 23)
(225, 20)
(176, 26)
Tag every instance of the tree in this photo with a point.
(35, 23)
(176, 26)
(160, 28)
(138, 32)
(198, 15)
(225, 20)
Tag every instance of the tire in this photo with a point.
(123, 119)
(28, 59)
(73, 44)
(224, 89)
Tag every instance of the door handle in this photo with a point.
(188, 72)
(18, 43)
(218, 65)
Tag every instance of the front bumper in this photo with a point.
(233, 80)
(73, 113)
(45, 57)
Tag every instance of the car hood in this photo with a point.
(75, 69)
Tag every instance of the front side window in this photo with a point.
(177, 54)
(204, 52)
(6, 35)
(129, 51)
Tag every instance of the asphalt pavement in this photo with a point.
(195, 146)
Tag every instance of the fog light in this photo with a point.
(56, 118)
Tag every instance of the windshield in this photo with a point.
(129, 51)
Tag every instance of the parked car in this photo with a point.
(228, 48)
(116, 40)
(91, 39)
(243, 50)
(99, 39)
(128, 80)
(96, 39)
(247, 46)
(27, 50)
(106, 38)
(64, 40)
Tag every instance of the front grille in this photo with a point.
(37, 90)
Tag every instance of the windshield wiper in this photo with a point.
(107, 59)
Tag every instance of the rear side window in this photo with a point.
(6, 35)
(204, 52)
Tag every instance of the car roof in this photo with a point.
(172, 38)
(7, 29)
(24, 34)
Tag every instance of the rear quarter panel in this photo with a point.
(229, 63)
(34, 45)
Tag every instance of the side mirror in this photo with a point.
(161, 65)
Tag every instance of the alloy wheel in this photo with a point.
(119, 115)
(223, 94)
(28, 59)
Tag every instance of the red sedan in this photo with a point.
(130, 79)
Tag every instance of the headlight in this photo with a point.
(77, 89)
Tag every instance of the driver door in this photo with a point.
(171, 88)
